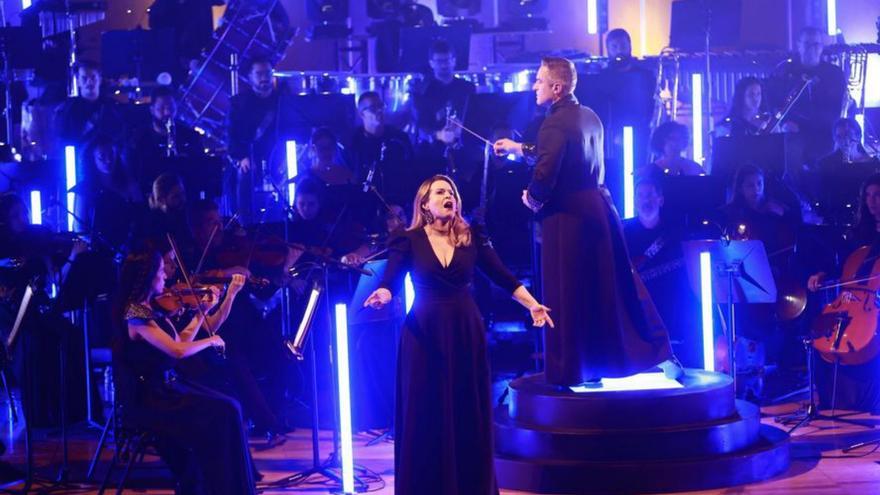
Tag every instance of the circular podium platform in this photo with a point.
(695, 436)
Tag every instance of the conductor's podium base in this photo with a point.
(664, 436)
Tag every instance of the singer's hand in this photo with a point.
(244, 165)
(379, 298)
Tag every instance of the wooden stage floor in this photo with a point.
(818, 465)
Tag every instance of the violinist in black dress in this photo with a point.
(443, 412)
(607, 323)
(199, 431)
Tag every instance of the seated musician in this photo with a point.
(385, 150)
(857, 386)
(441, 95)
(154, 149)
(314, 227)
(111, 198)
(754, 214)
(33, 254)
(166, 213)
(654, 243)
(669, 142)
(200, 433)
(848, 149)
(325, 159)
(253, 347)
(747, 114)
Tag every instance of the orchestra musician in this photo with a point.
(155, 149)
(382, 154)
(747, 115)
(655, 245)
(200, 433)
(855, 387)
(90, 114)
(669, 142)
(823, 100)
(607, 324)
(253, 135)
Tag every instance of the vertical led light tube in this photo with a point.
(628, 178)
(592, 17)
(409, 293)
(344, 399)
(831, 16)
(708, 325)
(36, 208)
(70, 183)
(290, 148)
(25, 4)
(697, 106)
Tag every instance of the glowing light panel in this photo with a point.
(628, 186)
(36, 208)
(70, 182)
(697, 106)
(592, 17)
(706, 310)
(290, 148)
(832, 17)
(409, 293)
(344, 399)
(641, 381)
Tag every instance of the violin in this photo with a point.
(177, 298)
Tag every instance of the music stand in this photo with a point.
(740, 274)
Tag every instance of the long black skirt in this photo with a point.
(443, 409)
(606, 323)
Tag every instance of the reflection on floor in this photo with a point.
(818, 465)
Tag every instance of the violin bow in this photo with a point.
(180, 266)
(205, 250)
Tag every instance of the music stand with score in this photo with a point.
(740, 274)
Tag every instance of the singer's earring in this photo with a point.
(428, 217)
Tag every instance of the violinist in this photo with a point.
(200, 432)
(857, 386)
(33, 254)
(166, 213)
(314, 226)
(754, 214)
(747, 114)
(253, 348)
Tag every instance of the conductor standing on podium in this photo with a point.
(606, 323)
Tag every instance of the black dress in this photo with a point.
(200, 433)
(443, 411)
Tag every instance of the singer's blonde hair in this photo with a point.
(460, 230)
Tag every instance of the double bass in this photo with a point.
(846, 331)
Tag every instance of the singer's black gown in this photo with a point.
(199, 431)
(443, 412)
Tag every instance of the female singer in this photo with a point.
(443, 411)
(200, 432)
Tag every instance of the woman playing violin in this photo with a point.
(199, 431)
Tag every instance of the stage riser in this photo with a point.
(686, 441)
(767, 458)
(707, 397)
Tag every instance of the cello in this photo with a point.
(846, 331)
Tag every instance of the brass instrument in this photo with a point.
(666, 88)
